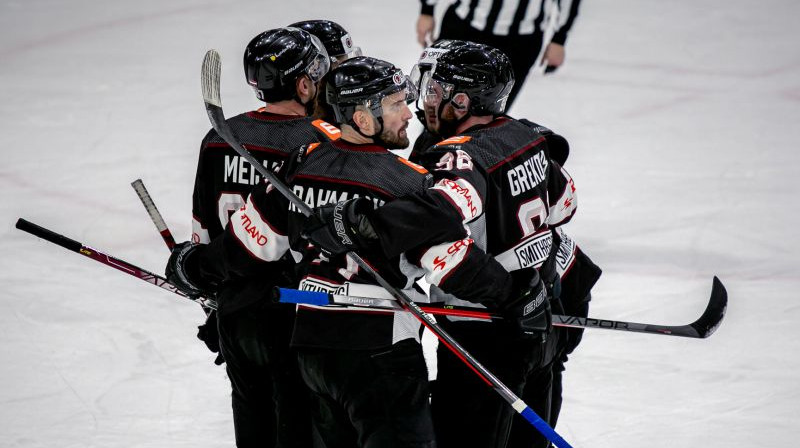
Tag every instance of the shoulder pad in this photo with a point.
(557, 146)
(458, 139)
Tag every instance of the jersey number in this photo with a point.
(226, 205)
(531, 216)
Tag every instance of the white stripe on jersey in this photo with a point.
(440, 261)
(463, 195)
(563, 209)
(199, 233)
(256, 235)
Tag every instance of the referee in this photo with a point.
(518, 28)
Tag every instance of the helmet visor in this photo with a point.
(432, 91)
(321, 63)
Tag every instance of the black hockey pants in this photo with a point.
(369, 399)
(270, 402)
(468, 413)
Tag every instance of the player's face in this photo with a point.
(433, 93)
(396, 115)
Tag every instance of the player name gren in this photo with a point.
(527, 175)
(239, 170)
(317, 197)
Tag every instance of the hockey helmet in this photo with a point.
(334, 37)
(364, 81)
(481, 72)
(275, 59)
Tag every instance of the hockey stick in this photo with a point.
(152, 210)
(702, 328)
(211, 96)
(116, 263)
(158, 220)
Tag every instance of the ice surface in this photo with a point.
(684, 119)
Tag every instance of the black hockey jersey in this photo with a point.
(224, 179)
(268, 226)
(507, 188)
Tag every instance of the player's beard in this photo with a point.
(393, 140)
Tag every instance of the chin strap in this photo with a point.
(376, 137)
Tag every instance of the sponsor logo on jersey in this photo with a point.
(566, 252)
(534, 251)
(440, 263)
(237, 169)
(251, 229)
(527, 175)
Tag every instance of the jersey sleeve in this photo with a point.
(464, 270)
(562, 196)
(256, 236)
(202, 218)
(438, 214)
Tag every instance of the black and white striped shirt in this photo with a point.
(515, 17)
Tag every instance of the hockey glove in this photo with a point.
(177, 271)
(341, 227)
(209, 334)
(529, 314)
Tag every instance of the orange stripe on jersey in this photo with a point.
(311, 148)
(454, 140)
(413, 165)
(328, 129)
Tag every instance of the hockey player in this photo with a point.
(497, 173)
(268, 402)
(366, 369)
(577, 272)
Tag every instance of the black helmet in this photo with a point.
(337, 40)
(481, 72)
(275, 59)
(364, 81)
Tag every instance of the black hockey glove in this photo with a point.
(178, 270)
(529, 313)
(209, 334)
(341, 227)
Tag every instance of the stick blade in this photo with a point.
(210, 78)
(712, 317)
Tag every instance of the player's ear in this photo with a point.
(363, 119)
(305, 88)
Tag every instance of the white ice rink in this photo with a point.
(684, 120)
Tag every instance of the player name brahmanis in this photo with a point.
(317, 197)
